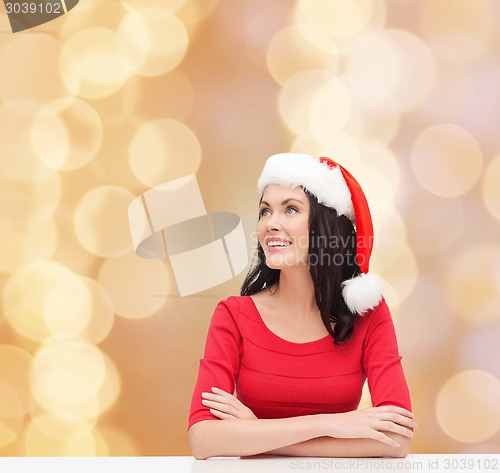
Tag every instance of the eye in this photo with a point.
(263, 212)
(291, 210)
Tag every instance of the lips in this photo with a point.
(277, 243)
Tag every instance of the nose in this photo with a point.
(273, 222)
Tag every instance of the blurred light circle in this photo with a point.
(152, 41)
(322, 42)
(382, 159)
(387, 220)
(23, 244)
(11, 414)
(90, 66)
(15, 364)
(68, 306)
(119, 442)
(434, 224)
(193, 13)
(164, 150)
(29, 202)
(330, 108)
(170, 5)
(102, 315)
(111, 386)
(375, 184)
(468, 96)
(481, 448)
(491, 189)
(22, 78)
(467, 406)
(391, 222)
(395, 262)
(69, 369)
(50, 139)
(458, 30)
(391, 57)
(471, 287)
(421, 344)
(446, 160)
(339, 146)
(101, 445)
(15, 207)
(66, 134)
(101, 221)
(137, 287)
(87, 409)
(62, 427)
(38, 443)
(347, 45)
(392, 298)
(258, 34)
(18, 161)
(24, 297)
(375, 113)
(295, 99)
(104, 15)
(290, 52)
(481, 349)
(149, 98)
(379, 193)
(337, 17)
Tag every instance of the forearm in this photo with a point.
(243, 437)
(346, 448)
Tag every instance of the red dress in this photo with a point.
(277, 378)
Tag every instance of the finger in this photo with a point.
(396, 410)
(400, 420)
(217, 397)
(384, 439)
(223, 396)
(220, 391)
(219, 406)
(397, 429)
(221, 415)
(228, 397)
(229, 400)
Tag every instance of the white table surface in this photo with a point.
(261, 463)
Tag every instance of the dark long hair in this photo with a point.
(331, 260)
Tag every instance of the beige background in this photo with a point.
(98, 353)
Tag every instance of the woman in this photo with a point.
(309, 328)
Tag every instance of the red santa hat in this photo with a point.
(336, 188)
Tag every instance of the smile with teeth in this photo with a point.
(272, 244)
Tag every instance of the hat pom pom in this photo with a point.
(362, 293)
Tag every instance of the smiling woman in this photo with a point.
(283, 226)
(310, 327)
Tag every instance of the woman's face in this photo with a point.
(283, 227)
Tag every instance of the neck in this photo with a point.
(296, 290)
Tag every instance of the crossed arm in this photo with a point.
(372, 432)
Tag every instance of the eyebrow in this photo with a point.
(263, 202)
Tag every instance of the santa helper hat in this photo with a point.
(336, 188)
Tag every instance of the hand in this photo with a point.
(226, 406)
(371, 423)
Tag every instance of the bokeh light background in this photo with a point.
(98, 353)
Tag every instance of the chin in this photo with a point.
(284, 261)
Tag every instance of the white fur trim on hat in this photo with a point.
(294, 169)
(362, 293)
